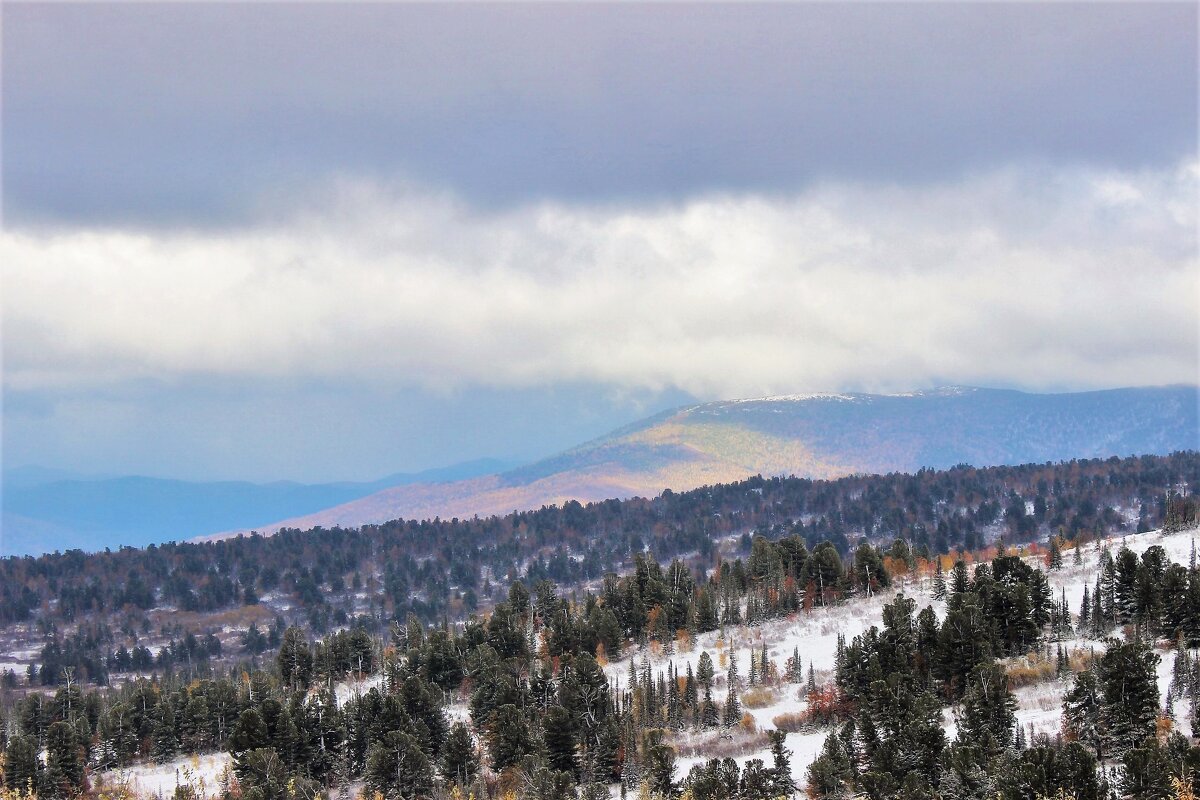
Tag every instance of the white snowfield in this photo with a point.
(814, 634)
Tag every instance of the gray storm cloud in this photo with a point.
(183, 113)
(1034, 277)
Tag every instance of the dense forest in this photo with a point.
(541, 718)
(437, 567)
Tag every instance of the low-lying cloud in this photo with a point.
(1030, 276)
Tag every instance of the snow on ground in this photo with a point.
(356, 687)
(815, 634)
(203, 772)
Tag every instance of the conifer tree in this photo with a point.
(705, 671)
(1128, 694)
(558, 733)
(782, 784)
(731, 713)
(1081, 710)
(22, 768)
(939, 582)
(398, 768)
(988, 709)
(64, 765)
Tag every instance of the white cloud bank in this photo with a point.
(1036, 277)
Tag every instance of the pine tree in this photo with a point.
(165, 735)
(1146, 774)
(558, 733)
(705, 671)
(508, 737)
(988, 712)
(1054, 560)
(660, 766)
(731, 713)
(1081, 710)
(782, 784)
(1129, 694)
(64, 766)
(939, 582)
(398, 768)
(22, 769)
(831, 772)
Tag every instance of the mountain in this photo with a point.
(47, 509)
(816, 435)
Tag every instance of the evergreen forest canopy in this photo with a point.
(451, 568)
(541, 718)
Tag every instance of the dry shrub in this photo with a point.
(1030, 670)
(683, 641)
(725, 744)
(758, 697)
(791, 721)
(1081, 659)
(747, 724)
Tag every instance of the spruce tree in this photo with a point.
(1129, 695)
(22, 769)
(782, 784)
(558, 733)
(64, 765)
(459, 761)
(731, 712)
(1054, 560)
(165, 735)
(1081, 710)
(398, 768)
(939, 582)
(705, 671)
(988, 712)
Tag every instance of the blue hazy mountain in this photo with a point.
(46, 509)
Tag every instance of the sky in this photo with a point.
(334, 241)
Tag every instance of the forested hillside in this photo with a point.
(669, 682)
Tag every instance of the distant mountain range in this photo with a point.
(820, 436)
(45, 509)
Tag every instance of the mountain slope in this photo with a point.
(45, 510)
(818, 436)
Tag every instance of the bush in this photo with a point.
(758, 697)
(791, 721)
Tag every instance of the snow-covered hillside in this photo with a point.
(814, 635)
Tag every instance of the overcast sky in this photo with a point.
(333, 241)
